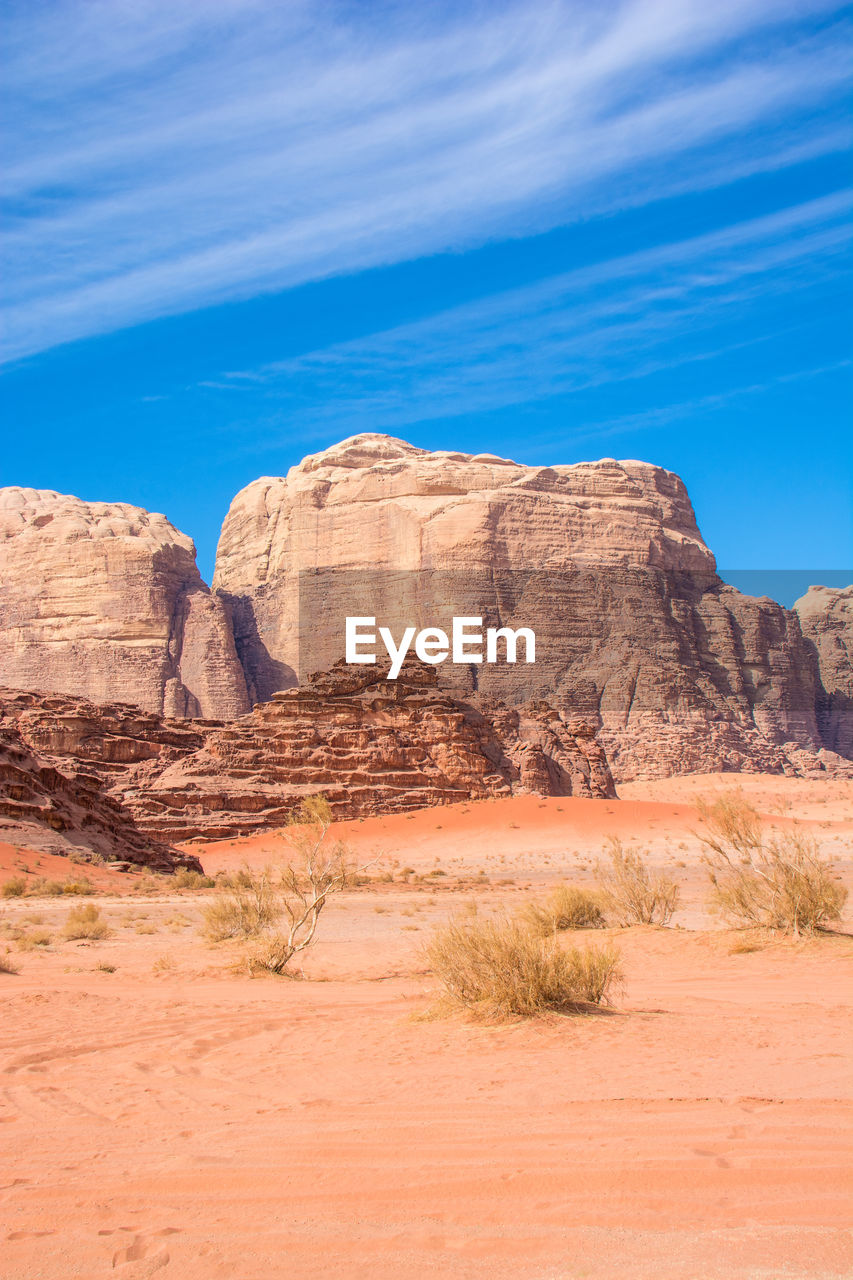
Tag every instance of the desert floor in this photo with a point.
(165, 1114)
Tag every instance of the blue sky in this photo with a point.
(234, 233)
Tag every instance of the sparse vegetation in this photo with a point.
(85, 922)
(245, 904)
(35, 938)
(630, 892)
(502, 968)
(187, 879)
(566, 907)
(15, 887)
(7, 965)
(783, 883)
(252, 903)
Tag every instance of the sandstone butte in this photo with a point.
(104, 601)
(604, 560)
(647, 663)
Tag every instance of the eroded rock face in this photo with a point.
(61, 806)
(826, 618)
(104, 601)
(604, 560)
(368, 744)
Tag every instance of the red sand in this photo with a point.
(174, 1117)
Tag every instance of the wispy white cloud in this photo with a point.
(623, 318)
(161, 157)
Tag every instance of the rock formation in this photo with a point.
(604, 560)
(637, 638)
(104, 601)
(65, 810)
(826, 618)
(368, 744)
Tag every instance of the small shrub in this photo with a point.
(632, 893)
(784, 884)
(566, 907)
(37, 938)
(86, 857)
(103, 967)
(81, 886)
(502, 968)
(85, 922)
(41, 887)
(7, 964)
(16, 887)
(245, 904)
(297, 894)
(187, 879)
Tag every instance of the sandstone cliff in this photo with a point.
(603, 560)
(104, 601)
(826, 618)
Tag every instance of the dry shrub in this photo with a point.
(245, 904)
(784, 883)
(632, 893)
(7, 965)
(251, 904)
(16, 887)
(503, 968)
(35, 938)
(85, 922)
(566, 907)
(187, 879)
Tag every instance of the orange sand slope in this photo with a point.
(166, 1115)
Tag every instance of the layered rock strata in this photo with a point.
(368, 744)
(56, 811)
(604, 561)
(104, 601)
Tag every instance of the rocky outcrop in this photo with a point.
(65, 811)
(368, 744)
(104, 601)
(604, 561)
(826, 618)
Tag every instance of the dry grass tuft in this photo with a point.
(85, 922)
(35, 938)
(7, 964)
(245, 904)
(630, 892)
(566, 907)
(186, 879)
(15, 887)
(502, 968)
(784, 883)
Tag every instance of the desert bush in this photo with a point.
(503, 968)
(784, 883)
(245, 904)
(630, 892)
(320, 868)
(7, 964)
(81, 886)
(187, 879)
(35, 938)
(41, 887)
(566, 907)
(16, 887)
(251, 904)
(85, 922)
